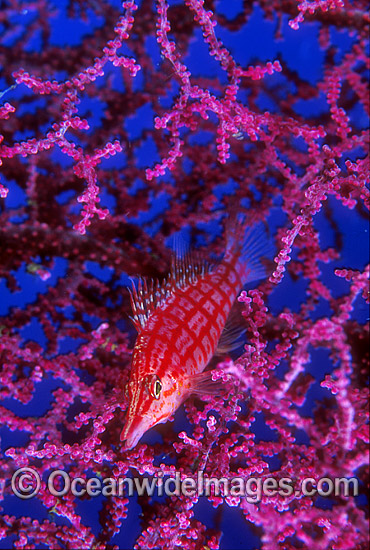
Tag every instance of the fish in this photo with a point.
(181, 323)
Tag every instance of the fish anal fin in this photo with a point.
(248, 246)
(234, 329)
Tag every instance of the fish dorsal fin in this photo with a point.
(230, 338)
(188, 269)
(151, 294)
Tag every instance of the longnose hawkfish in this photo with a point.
(180, 324)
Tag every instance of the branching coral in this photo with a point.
(112, 143)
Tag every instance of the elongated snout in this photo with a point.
(132, 432)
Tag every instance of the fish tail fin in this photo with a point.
(247, 248)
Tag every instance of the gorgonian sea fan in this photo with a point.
(122, 125)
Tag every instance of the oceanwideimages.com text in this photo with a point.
(26, 483)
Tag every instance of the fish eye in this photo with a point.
(154, 385)
(157, 388)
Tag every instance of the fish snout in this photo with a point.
(131, 433)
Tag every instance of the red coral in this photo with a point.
(232, 135)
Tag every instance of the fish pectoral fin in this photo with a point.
(202, 384)
(230, 338)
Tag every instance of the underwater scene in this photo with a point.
(184, 265)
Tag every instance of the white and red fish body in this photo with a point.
(180, 324)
